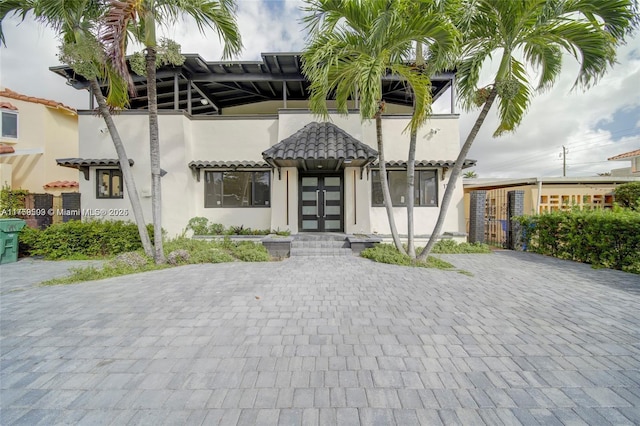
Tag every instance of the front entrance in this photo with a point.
(321, 206)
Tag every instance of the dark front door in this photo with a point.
(321, 204)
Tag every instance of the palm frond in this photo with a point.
(513, 105)
(214, 14)
(113, 35)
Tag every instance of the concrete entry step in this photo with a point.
(326, 244)
(298, 252)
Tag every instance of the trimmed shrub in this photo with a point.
(78, 239)
(628, 195)
(603, 238)
(251, 252)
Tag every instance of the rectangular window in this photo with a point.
(109, 183)
(9, 126)
(426, 188)
(237, 189)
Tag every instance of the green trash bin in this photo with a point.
(9, 230)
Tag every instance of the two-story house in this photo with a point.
(240, 147)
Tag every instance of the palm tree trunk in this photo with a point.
(127, 175)
(385, 186)
(455, 173)
(411, 170)
(154, 150)
(411, 175)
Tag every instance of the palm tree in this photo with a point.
(141, 19)
(74, 21)
(353, 46)
(470, 175)
(532, 33)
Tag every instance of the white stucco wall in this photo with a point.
(238, 138)
(279, 218)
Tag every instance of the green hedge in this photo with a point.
(81, 239)
(603, 238)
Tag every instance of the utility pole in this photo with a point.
(565, 151)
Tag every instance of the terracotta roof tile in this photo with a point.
(62, 184)
(635, 153)
(6, 149)
(8, 105)
(7, 93)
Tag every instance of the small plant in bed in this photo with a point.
(452, 247)
(180, 251)
(387, 253)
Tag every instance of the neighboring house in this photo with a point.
(240, 147)
(634, 170)
(541, 195)
(33, 133)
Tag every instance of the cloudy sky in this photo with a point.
(592, 125)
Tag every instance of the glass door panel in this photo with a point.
(321, 204)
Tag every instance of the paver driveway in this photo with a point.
(526, 339)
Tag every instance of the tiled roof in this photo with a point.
(430, 163)
(199, 164)
(62, 184)
(6, 149)
(7, 93)
(88, 162)
(631, 154)
(8, 105)
(320, 141)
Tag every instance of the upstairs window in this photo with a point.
(425, 191)
(109, 183)
(237, 189)
(9, 126)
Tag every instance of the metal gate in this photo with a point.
(496, 218)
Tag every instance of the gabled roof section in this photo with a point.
(207, 87)
(323, 144)
(7, 93)
(626, 155)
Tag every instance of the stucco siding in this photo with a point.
(221, 138)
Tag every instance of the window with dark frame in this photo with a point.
(109, 183)
(426, 188)
(9, 126)
(237, 189)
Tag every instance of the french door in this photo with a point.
(321, 205)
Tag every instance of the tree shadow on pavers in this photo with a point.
(621, 280)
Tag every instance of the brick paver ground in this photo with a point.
(324, 341)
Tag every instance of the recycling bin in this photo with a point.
(9, 230)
